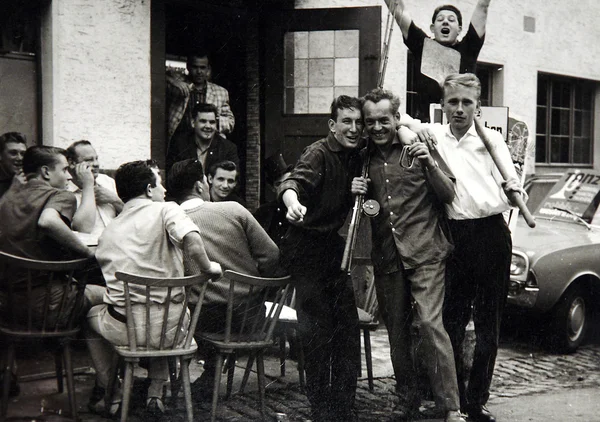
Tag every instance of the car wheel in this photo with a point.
(570, 320)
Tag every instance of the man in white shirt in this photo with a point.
(99, 203)
(477, 274)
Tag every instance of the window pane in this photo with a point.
(560, 122)
(582, 151)
(346, 43)
(583, 124)
(583, 96)
(346, 72)
(559, 149)
(541, 120)
(540, 149)
(320, 44)
(561, 94)
(319, 99)
(320, 72)
(542, 93)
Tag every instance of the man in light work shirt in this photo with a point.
(409, 255)
(478, 273)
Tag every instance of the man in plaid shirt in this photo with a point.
(183, 95)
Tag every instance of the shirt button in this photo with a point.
(391, 212)
(385, 164)
(280, 223)
(389, 197)
(387, 180)
(393, 229)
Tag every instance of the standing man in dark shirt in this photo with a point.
(446, 25)
(409, 254)
(318, 198)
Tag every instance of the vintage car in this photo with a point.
(555, 268)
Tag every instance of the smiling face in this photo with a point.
(87, 154)
(380, 121)
(348, 127)
(446, 28)
(205, 126)
(58, 174)
(460, 105)
(11, 158)
(222, 184)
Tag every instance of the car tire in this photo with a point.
(570, 320)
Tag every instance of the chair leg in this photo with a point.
(230, 373)
(368, 358)
(247, 372)
(260, 369)
(184, 378)
(68, 360)
(58, 367)
(175, 380)
(9, 357)
(215, 398)
(127, 387)
(301, 372)
(282, 355)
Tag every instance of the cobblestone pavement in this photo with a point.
(521, 369)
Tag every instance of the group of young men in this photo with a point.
(440, 246)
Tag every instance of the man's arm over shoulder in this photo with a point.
(226, 117)
(479, 18)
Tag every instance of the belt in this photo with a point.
(116, 315)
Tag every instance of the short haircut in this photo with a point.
(198, 54)
(344, 101)
(466, 80)
(379, 94)
(14, 137)
(133, 178)
(205, 108)
(72, 149)
(183, 176)
(40, 155)
(225, 165)
(450, 8)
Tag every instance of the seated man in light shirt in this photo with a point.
(98, 203)
(149, 238)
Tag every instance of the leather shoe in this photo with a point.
(479, 414)
(454, 416)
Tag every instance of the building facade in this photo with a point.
(85, 69)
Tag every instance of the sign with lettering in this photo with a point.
(576, 195)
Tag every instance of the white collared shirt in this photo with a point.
(478, 184)
(105, 213)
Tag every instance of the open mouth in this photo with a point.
(445, 31)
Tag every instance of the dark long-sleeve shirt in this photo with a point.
(322, 177)
(408, 230)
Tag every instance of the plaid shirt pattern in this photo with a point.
(215, 94)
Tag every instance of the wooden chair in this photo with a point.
(254, 333)
(21, 320)
(183, 348)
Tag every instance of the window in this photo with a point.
(319, 66)
(564, 120)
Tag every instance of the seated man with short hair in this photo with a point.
(223, 180)
(233, 237)
(12, 148)
(148, 238)
(98, 200)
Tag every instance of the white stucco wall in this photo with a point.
(96, 79)
(564, 43)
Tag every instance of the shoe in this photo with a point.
(454, 416)
(96, 397)
(479, 414)
(155, 407)
(202, 388)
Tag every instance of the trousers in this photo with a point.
(411, 300)
(477, 277)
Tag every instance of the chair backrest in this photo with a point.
(172, 321)
(253, 324)
(41, 298)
